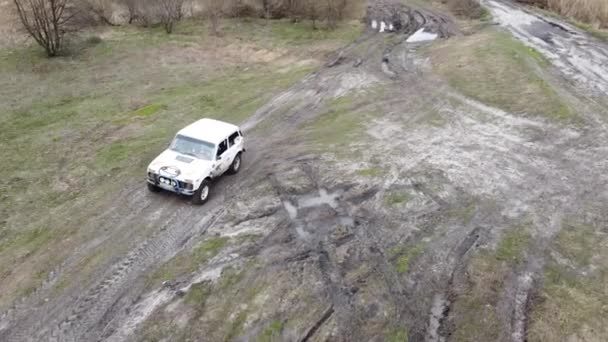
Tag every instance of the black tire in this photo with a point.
(201, 196)
(153, 188)
(236, 164)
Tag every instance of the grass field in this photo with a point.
(108, 107)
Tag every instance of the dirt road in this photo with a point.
(582, 58)
(331, 252)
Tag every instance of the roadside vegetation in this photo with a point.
(51, 23)
(592, 13)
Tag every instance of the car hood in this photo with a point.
(180, 166)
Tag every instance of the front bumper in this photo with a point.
(170, 184)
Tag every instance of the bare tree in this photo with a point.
(313, 12)
(170, 12)
(100, 9)
(132, 9)
(46, 21)
(214, 9)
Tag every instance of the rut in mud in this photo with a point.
(337, 253)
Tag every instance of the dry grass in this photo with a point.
(465, 8)
(594, 12)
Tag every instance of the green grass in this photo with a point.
(284, 32)
(235, 328)
(338, 126)
(197, 295)
(397, 335)
(494, 68)
(149, 110)
(398, 198)
(513, 245)
(578, 243)
(375, 171)
(271, 333)
(574, 303)
(187, 262)
(404, 255)
(476, 308)
(343, 122)
(476, 318)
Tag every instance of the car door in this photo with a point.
(233, 147)
(223, 159)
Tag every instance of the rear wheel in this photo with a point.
(236, 164)
(202, 194)
(153, 188)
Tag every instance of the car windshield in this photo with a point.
(193, 147)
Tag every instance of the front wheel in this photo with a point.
(236, 165)
(202, 194)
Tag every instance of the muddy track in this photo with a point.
(581, 58)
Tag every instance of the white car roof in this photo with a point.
(209, 130)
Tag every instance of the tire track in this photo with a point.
(89, 311)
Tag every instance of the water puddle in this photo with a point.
(422, 36)
(323, 197)
(305, 220)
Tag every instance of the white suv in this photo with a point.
(199, 152)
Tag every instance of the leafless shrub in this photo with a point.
(169, 13)
(133, 9)
(47, 21)
(214, 11)
(100, 10)
(465, 8)
(594, 12)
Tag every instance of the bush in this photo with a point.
(93, 40)
(465, 8)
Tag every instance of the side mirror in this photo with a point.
(218, 158)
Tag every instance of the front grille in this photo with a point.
(182, 185)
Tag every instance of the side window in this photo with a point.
(232, 138)
(222, 148)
